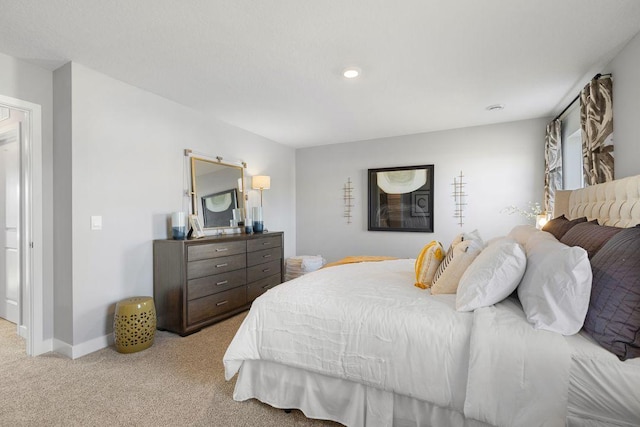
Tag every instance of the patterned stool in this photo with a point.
(134, 324)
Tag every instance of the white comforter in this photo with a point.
(367, 323)
(362, 322)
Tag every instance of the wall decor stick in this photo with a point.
(347, 195)
(459, 198)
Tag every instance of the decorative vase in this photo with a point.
(238, 218)
(179, 225)
(258, 224)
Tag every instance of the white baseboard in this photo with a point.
(62, 348)
(45, 346)
(79, 350)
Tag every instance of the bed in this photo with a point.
(359, 344)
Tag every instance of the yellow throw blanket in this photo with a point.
(360, 258)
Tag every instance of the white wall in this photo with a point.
(626, 108)
(128, 166)
(62, 207)
(502, 164)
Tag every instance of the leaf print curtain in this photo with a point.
(552, 163)
(596, 120)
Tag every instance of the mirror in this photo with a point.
(217, 193)
(401, 199)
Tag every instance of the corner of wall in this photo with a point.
(79, 350)
(62, 196)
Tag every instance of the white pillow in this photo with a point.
(521, 233)
(492, 276)
(556, 286)
(535, 238)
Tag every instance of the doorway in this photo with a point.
(10, 194)
(21, 240)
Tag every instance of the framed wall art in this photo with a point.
(217, 209)
(401, 199)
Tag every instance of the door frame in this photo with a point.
(31, 325)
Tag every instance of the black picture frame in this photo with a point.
(220, 218)
(401, 199)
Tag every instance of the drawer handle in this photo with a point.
(222, 303)
(267, 286)
(222, 265)
(266, 256)
(266, 243)
(224, 282)
(266, 269)
(222, 249)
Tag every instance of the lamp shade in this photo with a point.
(261, 182)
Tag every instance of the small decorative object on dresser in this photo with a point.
(178, 225)
(200, 282)
(196, 226)
(258, 222)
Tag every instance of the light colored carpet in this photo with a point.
(178, 381)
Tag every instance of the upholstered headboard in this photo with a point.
(615, 203)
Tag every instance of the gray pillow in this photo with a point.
(590, 236)
(560, 225)
(613, 318)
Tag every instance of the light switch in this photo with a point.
(96, 222)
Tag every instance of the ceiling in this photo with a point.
(274, 67)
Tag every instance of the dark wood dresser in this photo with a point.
(200, 282)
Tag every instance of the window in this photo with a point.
(572, 176)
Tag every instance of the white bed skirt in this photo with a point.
(352, 404)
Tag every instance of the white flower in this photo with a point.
(533, 210)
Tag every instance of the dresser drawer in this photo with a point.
(260, 257)
(261, 271)
(215, 250)
(197, 288)
(216, 304)
(208, 267)
(264, 243)
(257, 288)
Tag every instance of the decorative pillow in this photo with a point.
(492, 276)
(451, 269)
(590, 236)
(560, 225)
(427, 264)
(556, 285)
(613, 319)
(474, 235)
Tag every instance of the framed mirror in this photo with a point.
(217, 193)
(401, 199)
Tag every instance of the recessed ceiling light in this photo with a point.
(351, 73)
(495, 107)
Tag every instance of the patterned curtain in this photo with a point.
(596, 119)
(552, 163)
